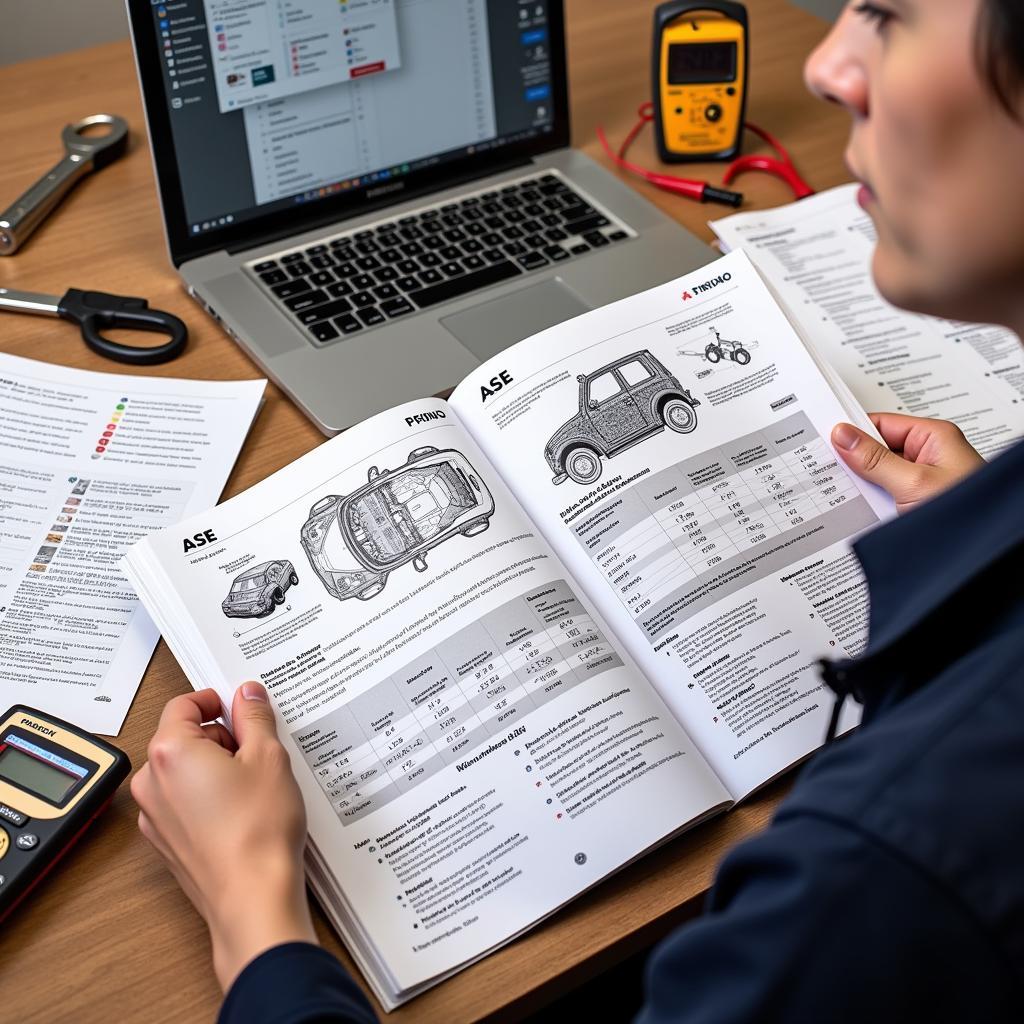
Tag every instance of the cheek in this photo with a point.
(941, 153)
(925, 147)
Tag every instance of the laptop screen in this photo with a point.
(298, 110)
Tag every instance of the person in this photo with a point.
(889, 885)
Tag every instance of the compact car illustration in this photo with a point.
(259, 590)
(355, 542)
(620, 404)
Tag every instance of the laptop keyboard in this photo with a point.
(362, 279)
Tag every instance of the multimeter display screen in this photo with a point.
(38, 774)
(695, 63)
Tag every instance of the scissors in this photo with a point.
(82, 154)
(95, 310)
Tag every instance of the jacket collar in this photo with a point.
(918, 565)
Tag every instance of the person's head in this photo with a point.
(935, 89)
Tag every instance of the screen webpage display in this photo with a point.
(278, 102)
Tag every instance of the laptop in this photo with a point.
(374, 196)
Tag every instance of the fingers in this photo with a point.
(148, 829)
(181, 723)
(142, 795)
(139, 785)
(174, 865)
(252, 718)
(927, 441)
(873, 461)
(894, 427)
(191, 709)
(216, 732)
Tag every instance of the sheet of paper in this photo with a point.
(673, 448)
(817, 256)
(89, 464)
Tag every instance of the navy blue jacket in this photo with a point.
(890, 885)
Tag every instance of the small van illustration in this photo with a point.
(355, 542)
(620, 404)
(259, 590)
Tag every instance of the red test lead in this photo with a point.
(780, 166)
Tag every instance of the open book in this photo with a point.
(517, 638)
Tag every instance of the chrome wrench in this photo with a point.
(82, 154)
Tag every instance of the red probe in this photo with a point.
(703, 192)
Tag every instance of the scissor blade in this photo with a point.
(38, 303)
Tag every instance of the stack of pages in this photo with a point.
(817, 254)
(518, 638)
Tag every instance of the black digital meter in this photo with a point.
(55, 779)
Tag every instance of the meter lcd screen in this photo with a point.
(36, 776)
(697, 63)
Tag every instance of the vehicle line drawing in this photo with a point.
(724, 348)
(354, 542)
(621, 404)
(256, 592)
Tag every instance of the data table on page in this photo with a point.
(432, 712)
(686, 536)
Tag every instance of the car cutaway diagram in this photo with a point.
(259, 590)
(620, 404)
(354, 542)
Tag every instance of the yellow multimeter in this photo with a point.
(700, 79)
(54, 780)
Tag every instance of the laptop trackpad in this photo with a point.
(492, 326)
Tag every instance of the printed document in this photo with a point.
(816, 255)
(89, 464)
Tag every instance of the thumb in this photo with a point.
(252, 718)
(873, 461)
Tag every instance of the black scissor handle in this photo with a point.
(93, 311)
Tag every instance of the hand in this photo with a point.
(924, 456)
(228, 818)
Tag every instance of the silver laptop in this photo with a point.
(374, 196)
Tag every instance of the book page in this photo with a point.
(817, 256)
(90, 463)
(473, 747)
(673, 449)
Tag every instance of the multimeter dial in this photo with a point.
(54, 780)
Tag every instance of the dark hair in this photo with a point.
(1000, 50)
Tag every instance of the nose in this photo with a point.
(836, 71)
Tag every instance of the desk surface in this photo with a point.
(148, 955)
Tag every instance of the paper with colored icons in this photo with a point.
(89, 464)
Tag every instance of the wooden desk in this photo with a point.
(110, 935)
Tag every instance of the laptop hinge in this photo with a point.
(333, 220)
